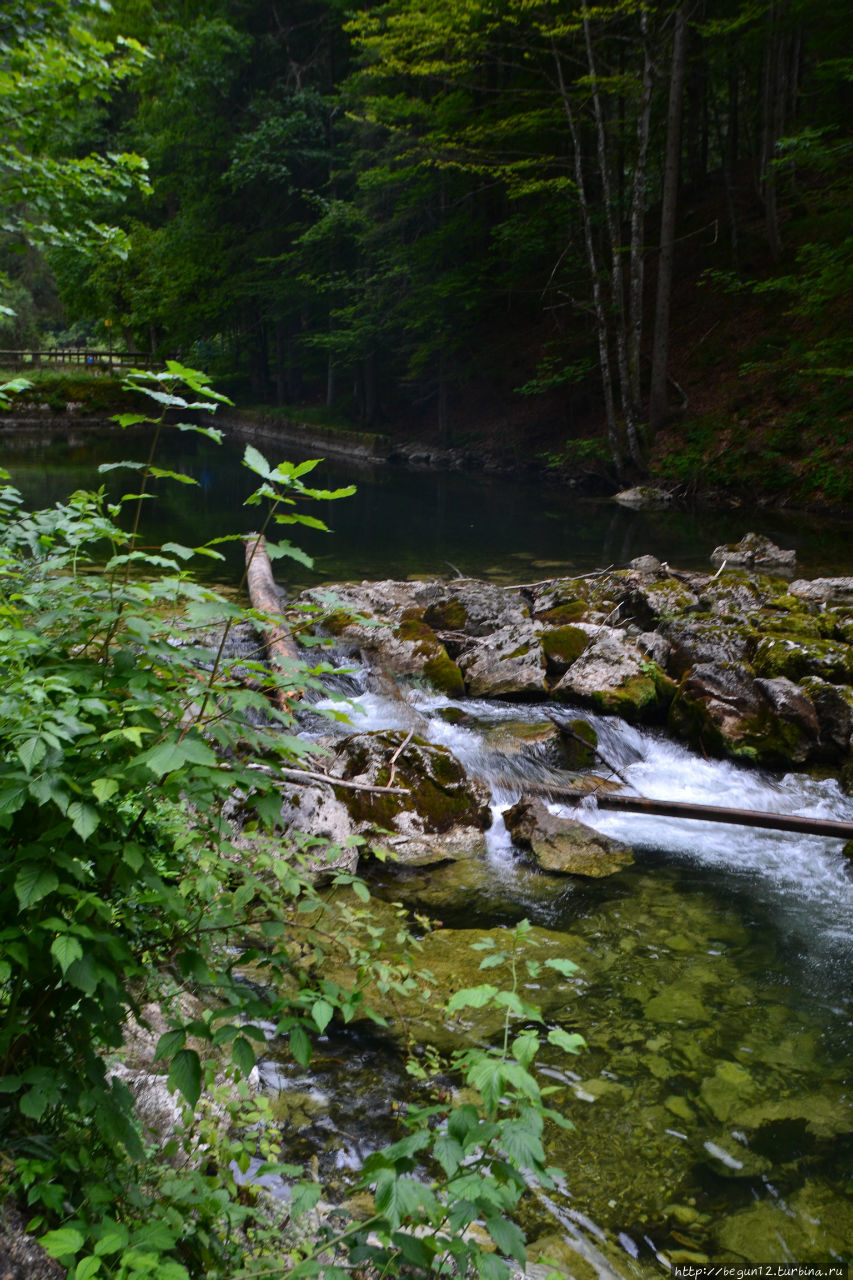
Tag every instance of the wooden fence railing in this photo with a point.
(83, 357)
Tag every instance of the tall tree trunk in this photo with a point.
(617, 287)
(592, 263)
(660, 345)
(638, 222)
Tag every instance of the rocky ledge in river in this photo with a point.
(740, 664)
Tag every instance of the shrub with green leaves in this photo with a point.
(124, 733)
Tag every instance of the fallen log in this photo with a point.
(279, 643)
(716, 813)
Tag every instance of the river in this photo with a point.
(713, 1107)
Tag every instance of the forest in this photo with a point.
(614, 238)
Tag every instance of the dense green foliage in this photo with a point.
(402, 210)
(145, 885)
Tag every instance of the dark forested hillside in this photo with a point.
(618, 235)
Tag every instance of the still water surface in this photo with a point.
(418, 523)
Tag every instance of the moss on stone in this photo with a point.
(336, 623)
(443, 673)
(562, 645)
(561, 614)
(447, 615)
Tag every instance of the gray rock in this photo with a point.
(21, 1257)
(562, 844)
(754, 551)
(505, 664)
(643, 496)
(614, 675)
(823, 590)
(645, 564)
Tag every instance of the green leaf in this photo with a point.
(255, 461)
(300, 1046)
(86, 1268)
(34, 883)
(170, 1043)
(243, 1055)
(31, 752)
(509, 1238)
(568, 967)
(113, 1239)
(571, 1042)
(62, 1242)
(491, 1267)
(398, 1197)
(33, 1103)
(472, 998)
(449, 1154)
(304, 1197)
(166, 757)
(178, 549)
(160, 474)
(276, 550)
(322, 1013)
(129, 419)
(65, 949)
(84, 818)
(104, 788)
(185, 1075)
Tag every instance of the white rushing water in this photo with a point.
(807, 881)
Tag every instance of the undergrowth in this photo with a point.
(127, 901)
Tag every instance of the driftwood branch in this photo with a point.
(263, 594)
(696, 812)
(736, 817)
(309, 775)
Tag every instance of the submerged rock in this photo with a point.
(562, 844)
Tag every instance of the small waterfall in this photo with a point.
(805, 880)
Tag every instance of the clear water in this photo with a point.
(405, 523)
(714, 1104)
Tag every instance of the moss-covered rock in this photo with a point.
(443, 813)
(613, 675)
(561, 646)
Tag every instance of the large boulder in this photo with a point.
(614, 675)
(562, 844)
(754, 551)
(444, 814)
(508, 663)
(722, 709)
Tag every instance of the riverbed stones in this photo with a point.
(562, 844)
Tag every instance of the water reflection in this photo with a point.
(405, 523)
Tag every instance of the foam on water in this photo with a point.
(806, 880)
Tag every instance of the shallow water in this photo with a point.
(714, 1104)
